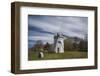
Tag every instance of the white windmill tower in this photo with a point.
(59, 42)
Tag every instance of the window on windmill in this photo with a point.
(59, 42)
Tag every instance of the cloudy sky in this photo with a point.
(44, 27)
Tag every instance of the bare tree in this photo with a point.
(47, 46)
(38, 46)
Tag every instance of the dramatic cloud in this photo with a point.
(44, 27)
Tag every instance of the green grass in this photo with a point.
(65, 55)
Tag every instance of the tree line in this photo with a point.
(74, 44)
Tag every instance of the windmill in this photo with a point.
(59, 42)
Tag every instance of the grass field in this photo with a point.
(65, 55)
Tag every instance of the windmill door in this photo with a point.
(58, 49)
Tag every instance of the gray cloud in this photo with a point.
(68, 25)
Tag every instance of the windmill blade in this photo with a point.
(74, 39)
(70, 37)
(66, 36)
